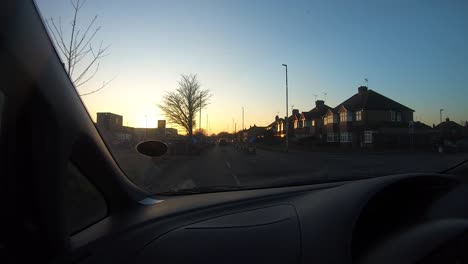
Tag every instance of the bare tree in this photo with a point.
(81, 60)
(201, 132)
(181, 106)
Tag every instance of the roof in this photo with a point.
(255, 130)
(371, 100)
(298, 116)
(272, 124)
(418, 124)
(316, 112)
(447, 124)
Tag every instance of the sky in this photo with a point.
(414, 52)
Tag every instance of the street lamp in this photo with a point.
(287, 124)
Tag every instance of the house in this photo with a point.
(366, 116)
(254, 133)
(271, 129)
(295, 122)
(301, 124)
(450, 130)
(311, 122)
(279, 125)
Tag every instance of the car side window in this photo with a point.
(84, 205)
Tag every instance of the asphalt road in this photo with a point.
(227, 166)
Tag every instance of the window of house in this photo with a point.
(333, 118)
(325, 120)
(295, 123)
(346, 137)
(368, 137)
(343, 117)
(359, 115)
(331, 137)
(398, 117)
(392, 116)
(313, 122)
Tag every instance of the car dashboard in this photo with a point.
(412, 218)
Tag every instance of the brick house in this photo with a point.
(311, 122)
(366, 117)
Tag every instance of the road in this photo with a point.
(227, 166)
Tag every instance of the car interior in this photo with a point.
(65, 199)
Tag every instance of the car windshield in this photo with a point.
(254, 94)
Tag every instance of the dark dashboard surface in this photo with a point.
(394, 219)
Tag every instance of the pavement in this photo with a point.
(227, 166)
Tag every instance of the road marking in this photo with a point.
(232, 173)
(236, 179)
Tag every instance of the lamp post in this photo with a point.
(287, 123)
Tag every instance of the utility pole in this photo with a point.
(242, 118)
(235, 133)
(440, 113)
(287, 123)
(199, 128)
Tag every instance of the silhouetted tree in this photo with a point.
(224, 135)
(181, 106)
(81, 60)
(201, 132)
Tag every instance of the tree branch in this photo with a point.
(104, 84)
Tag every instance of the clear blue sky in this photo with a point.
(414, 52)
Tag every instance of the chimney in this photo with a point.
(362, 89)
(466, 124)
(319, 103)
(447, 119)
(295, 111)
(276, 118)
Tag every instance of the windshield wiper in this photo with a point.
(201, 189)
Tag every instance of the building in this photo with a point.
(450, 130)
(311, 122)
(111, 128)
(368, 118)
(109, 121)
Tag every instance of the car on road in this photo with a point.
(223, 142)
(251, 148)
